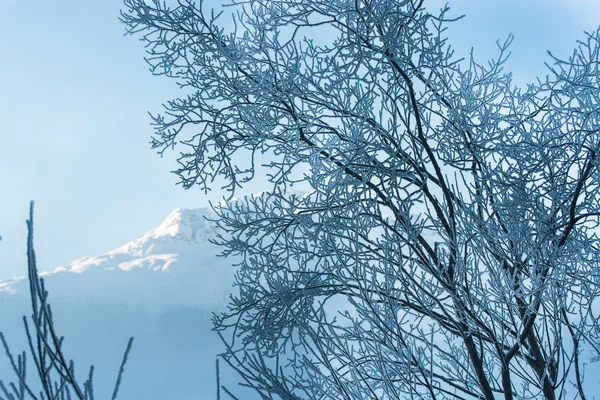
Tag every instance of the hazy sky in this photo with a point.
(74, 130)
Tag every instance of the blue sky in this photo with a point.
(74, 130)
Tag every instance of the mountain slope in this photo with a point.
(172, 265)
(160, 288)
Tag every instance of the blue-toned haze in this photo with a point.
(74, 137)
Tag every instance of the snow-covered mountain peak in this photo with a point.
(181, 229)
(188, 224)
(172, 265)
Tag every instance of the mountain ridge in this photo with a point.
(171, 265)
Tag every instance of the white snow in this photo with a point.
(169, 266)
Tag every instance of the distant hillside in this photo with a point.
(161, 288)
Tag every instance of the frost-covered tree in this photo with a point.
(447, 243)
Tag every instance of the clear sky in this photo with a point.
(74, 130)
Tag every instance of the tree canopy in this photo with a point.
(446, 246)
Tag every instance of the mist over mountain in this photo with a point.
(161, 288)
